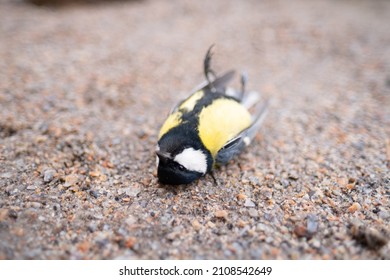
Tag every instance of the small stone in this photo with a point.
(254, 181)
(196, 225)
(6, 175)
(221, 214)
(48, 175)
(18, 231)
(249, 203)
(71, 180)
(173, 235)
(316, 243)
(133, 190)
(256, 254)
(236, 248)
(312, 224)
(31, 188)
(285, 183)
(92, 227)
(384, 214)
(130, 220)
(300, 231)
(210, 224)
(241, 223)
(354, 207)
(352, 181)
(12, 214)
(35, 204)
(261, 227)
(94, 174)
(253, 213)
(293, 176)
(269, 239)
(3, 214)
(83, 246)
(94, 193)
(241, 196)
(130, 242)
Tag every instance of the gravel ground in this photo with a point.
(84, 89)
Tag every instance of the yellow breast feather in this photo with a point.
(220, 122)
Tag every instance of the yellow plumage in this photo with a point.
(220, 122)
(172, 121)
(189, 103)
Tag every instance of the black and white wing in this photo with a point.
(219, 84)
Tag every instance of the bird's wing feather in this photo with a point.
(219, 84)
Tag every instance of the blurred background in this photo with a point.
(85, 86)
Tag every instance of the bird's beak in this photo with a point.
(163, 157)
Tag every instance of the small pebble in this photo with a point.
(316, 243)
(71, 180)
(312, 224)
(94, 193)
(130, 242)
(285, 183)
(241, 223)
(48, 175)
(300, 231)
(249, 203)
(130, 220)
(173, 235)
(35, 204)
(210, 224)
(261, 227)
(221, 214)
(354, 207)
(12, 214)
(196, 225)
(269, 239)
(384, 214)
(253, 213)
(3, 214)
(133, 190)
(6, 175)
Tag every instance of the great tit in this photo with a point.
(208, 128)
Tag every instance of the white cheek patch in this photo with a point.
(193, 160)
(157, 159)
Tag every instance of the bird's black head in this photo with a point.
(181, 159)
(171, 172)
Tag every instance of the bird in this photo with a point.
(208, 128)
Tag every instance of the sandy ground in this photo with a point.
(84, 89)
